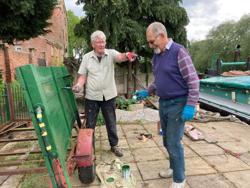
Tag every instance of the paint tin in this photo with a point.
(126, 172)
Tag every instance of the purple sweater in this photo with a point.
(175, 75)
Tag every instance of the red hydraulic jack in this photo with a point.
(82, 156)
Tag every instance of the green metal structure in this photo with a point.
(231, 94)
(236, 89)
(240, 64)
(4, 107)
(53, 109)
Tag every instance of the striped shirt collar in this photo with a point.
(169, 44)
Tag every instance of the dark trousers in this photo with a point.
(92, 108)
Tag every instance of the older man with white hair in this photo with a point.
(96, 72)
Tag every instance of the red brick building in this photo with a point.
(45, 50)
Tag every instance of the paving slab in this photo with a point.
(188, 152)
(98, 144)
(163, 149)
(134, 133)
(127, 156)
(186, 140)
(158, 140)
(136, 143)
(158, 183)
(150, 169)
(245, 157)
(217, 131)
(204, 149)
(104, 136)
(122, 144)
(89, 186)
(151, 128)
(129, 127)
(236, 147)
(220, 137)
(226, 163)
(240, 178)
(197, 166)
(135, 171)
(209, 181)
(237, 130)
(106, 156)
(148, 154)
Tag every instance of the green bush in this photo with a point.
(122, 103)
(1, 84)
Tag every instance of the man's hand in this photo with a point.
(188, 113)
(131, 56)
(76, 88)
(142, 94)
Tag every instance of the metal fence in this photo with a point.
(12, 104)
(4, 106)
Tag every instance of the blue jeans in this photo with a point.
(172, 126)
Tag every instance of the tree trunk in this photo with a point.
(147, 71)
(130, 79)
(8, 76)
(135, 63)
(8, 79)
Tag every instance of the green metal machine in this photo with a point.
(220, 64)
(231, 94)
(53, 108)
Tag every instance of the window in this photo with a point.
(18, 48)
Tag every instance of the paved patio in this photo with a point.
(209, 163)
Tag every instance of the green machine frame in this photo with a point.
(231, 94)
(53, 109)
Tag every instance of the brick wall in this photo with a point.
(1, 59)
(17, 59)
(1, 64)
(50, 48)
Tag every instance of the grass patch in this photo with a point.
(35, 180)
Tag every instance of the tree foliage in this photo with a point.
(125, 21)
(221, 43)
(75, 43)
(24, 19)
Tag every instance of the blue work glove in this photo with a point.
(188, 113)
(141, 94)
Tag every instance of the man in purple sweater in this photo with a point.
(177, 84)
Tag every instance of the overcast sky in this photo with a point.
(203, 14)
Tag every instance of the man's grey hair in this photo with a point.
(157, 28)
(97, 34)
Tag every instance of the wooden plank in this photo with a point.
(23, 171)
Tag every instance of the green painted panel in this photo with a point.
(233, 82)
(47, 88)
(219, 89)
